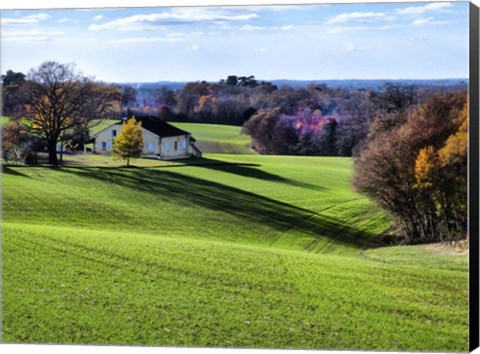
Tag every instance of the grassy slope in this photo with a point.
(97, 125)
(100, 124)
(280, 203)
(264, 253)
(216, 138)
(4, 120)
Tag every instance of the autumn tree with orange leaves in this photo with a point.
(441, 176)
(417, 170)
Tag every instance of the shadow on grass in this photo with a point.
(13, 171)
(187, 190)
(249, 170)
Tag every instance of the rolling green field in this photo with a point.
(4, 120)
(230, 250)
(217, 139)
(100, 124)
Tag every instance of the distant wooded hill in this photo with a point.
(348, 84)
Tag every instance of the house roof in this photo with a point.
(159, 127)
(156, 126)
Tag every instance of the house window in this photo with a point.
(104, 145)
(114, 132)
(184, 145)
(176, 145)
(167, 147)
(150, 146)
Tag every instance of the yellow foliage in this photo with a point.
(425, 165)
(456, 147)
(206, 102)
(129, 143)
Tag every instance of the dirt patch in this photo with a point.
(456, 249)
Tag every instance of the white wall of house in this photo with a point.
(175, 147)
(104, 139)
(151, 143)
(168, 148)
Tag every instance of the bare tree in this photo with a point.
(129, 96)
(57, 99)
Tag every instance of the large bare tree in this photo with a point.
(58, 98)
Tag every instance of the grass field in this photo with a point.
(4, 120)
(216, 138)
(100, 124)
(232, 250)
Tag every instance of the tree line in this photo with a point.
(311, 120)
(409, 144)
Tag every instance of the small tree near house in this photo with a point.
(129, 142)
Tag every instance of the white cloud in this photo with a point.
(343, 29)
(336, 30)
(353, 48)
(27, 39)
(18, 21)
(421, 21)
(146, 40)
(98, 18)
(175, 34)
(279, 8)
(419, 10)
(26, 20)
(64, 20)
(428, 21)
(360, 17)
(191, 15)
(261, 28)
(39, 17)
(251, 28)
(30, 35)
(419, 38)
(193, 48)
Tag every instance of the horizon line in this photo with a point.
(305, 80)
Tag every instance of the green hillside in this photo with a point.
(233, 250)
(4, 120)
(217, 138)
(100, 124)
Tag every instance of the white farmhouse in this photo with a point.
(160, 139)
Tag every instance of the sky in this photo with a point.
(422, 40)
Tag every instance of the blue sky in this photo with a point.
(338, 41)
